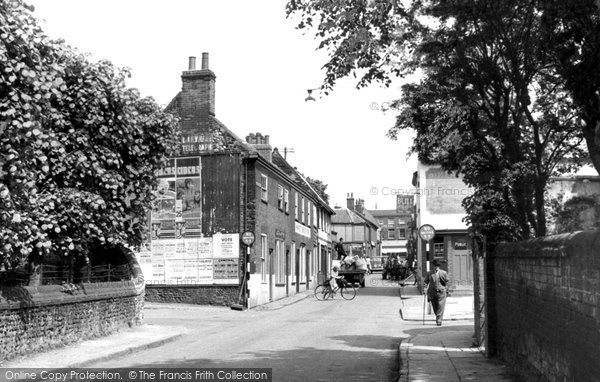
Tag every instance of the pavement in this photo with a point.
(126, 341)
(443, 353)
(85, 353)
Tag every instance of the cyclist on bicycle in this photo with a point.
(334, 277)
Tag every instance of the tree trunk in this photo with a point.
(589, 132)
(540, 187)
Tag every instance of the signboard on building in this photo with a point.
(302, 229)
(460, 243)
(443, 192)
(405, 204)
(193, 144)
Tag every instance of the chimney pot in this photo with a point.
(205, 61)
(192, 63)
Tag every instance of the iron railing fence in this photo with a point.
(63, 274)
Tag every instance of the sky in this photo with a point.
(264, 67)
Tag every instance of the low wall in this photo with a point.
(193, 294)
(547, 305)
(43, 317)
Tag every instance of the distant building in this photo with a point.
(566, 187)
(357, 228)
(394, 230)
(438, 202)
(562, 189)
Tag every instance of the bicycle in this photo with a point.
(347, 290)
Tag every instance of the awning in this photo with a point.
(393, 250)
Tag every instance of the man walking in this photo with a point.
(436, 282)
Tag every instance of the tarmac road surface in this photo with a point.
(310, 340)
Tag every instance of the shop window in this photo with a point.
(438, 250)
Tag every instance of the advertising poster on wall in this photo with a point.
(189, 197)
(164, 203)
(205, 270)
(174, 271)
(225, 270)
(158, 269)
(144, 258)
(190, 274)
(179, 254)
(205, 248)
(177, 208)
(226, 245)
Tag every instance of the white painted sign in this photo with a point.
(302, 230)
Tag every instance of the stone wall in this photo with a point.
(547, 306)
(39, 318)
(193, 294)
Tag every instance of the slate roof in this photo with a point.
(346, 216)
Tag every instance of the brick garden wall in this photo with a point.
(547, 306)
(39, 318)
(193, 294)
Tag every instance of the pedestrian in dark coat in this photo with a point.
(437, 289)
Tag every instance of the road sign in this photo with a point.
(248, 238)
(426, 232)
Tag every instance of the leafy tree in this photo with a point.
(319, 187)
(578, 213)
(78, 149)
(495, 102)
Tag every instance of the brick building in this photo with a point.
(217, 188)
(395, 230)
(439, 203)
(359, 230)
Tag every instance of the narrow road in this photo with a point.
(310, 340)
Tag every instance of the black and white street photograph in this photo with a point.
(300, 190)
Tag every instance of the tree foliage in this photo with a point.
(319, 187)
(78, 149)
(498, 101)
(577, 214)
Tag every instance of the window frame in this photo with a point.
(280, 196)
(264, 187)
(264, 251)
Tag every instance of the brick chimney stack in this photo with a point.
(197, 95)
(350, 201)
(261, 144)
(360, 206)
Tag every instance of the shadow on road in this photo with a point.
(373, 358)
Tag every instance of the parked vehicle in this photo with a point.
(354, 276)
(353, 269)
